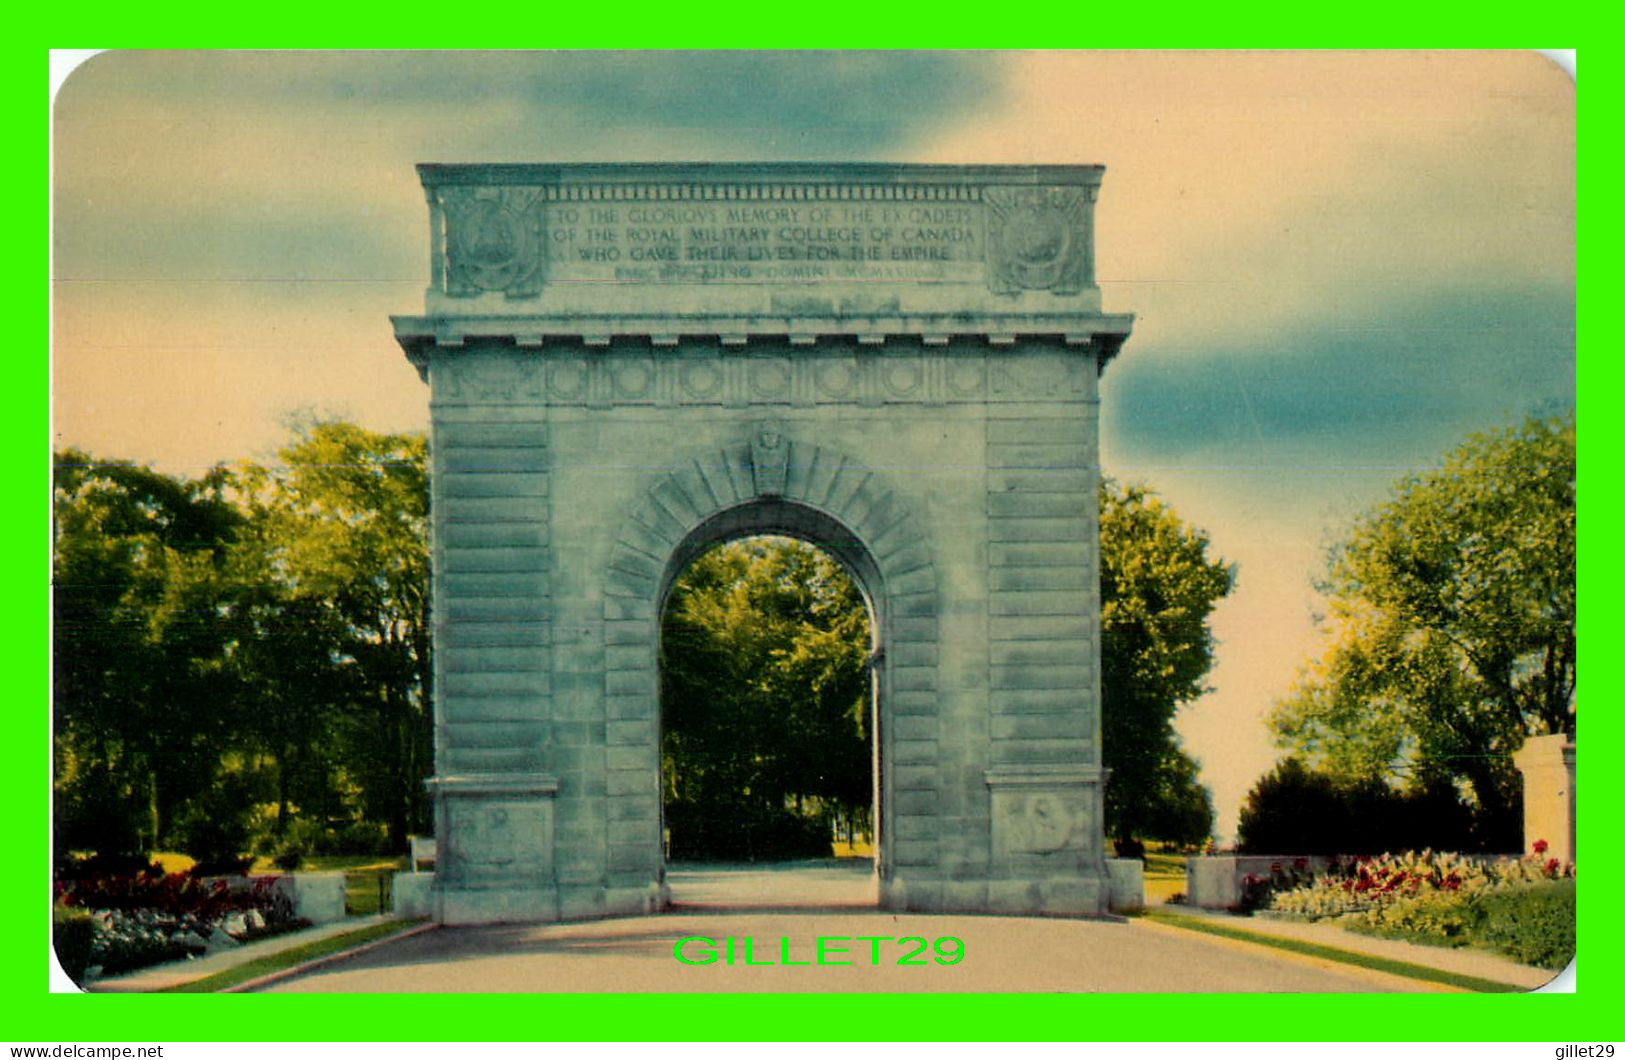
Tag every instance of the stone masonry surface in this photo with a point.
(630, 364)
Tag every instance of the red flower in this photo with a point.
(1540, 846)
(1300, 863)
(1552, 865)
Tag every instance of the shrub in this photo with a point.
(98, 812)
(309, 837)
(301, 838)
(73, 932)
(149, 917)
(216, 828)
(1257, 892)
(1444, 918)
(1523, 907)
(127, 941)
(289, 856)
(1531, 923)
(356, 837)
(1294, 809)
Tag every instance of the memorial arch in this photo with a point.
(631, 363)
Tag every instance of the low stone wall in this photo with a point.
(1127, 876)
(413, 898)
(1213, 881)
(316, 896)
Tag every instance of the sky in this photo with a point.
(1341, 264)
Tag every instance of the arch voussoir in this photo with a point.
(674, 496)
(801, 459)
(660, 524)
(719, 485)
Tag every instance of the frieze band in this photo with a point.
(713, 377)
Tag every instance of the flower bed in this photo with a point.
(1523, 907)
(151, 917)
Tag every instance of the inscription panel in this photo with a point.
(763, 242)
(506, 230)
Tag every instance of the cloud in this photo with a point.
(1416, 378)
(856, 100)
(278, 165)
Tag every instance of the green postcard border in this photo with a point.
(38, 1016)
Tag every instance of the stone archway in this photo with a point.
(627, 363)
(771, 483)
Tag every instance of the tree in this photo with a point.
(340, 621)
(764, 702)
(256, 635)
(140, 711)
(1293, 809)
(1451, 626)
(1157, 586)
(1181, 810)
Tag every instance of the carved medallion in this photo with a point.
(493, 241)
(1037, 240)
(1039, 823)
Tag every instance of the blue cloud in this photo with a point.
(1415, 381)
(856, 102)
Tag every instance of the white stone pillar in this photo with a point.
(1547, 765)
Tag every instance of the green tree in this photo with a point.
(1293, 809)
(1451, 626)
(339, 627)
(1181, 811)
(764, 701)
(1158, 586)
(141, 701)
(292, 685)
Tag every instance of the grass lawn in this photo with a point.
(276, 962)
(1331, 953)
(1164, 876)
(173, 862)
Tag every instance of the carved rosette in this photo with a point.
(494, 241)
(1037, 239)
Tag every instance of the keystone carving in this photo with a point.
(769, 459)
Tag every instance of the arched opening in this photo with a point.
(770, 691)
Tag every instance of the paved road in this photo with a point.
(1001, 954)
(772, 906)
(846, 884)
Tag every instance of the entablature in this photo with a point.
(419, 336)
